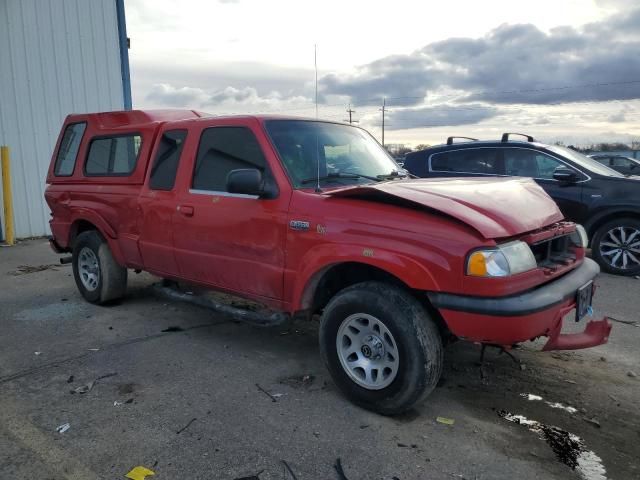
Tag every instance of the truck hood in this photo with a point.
(496, 207)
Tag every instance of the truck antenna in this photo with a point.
(315, 64)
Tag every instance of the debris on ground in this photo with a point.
(117, 403)
(272, 397)
(568, 448)
(288, 469)
(592, 421)
(173, 329)
(340, 470)
(37, 353)
(251, 477)
(186, 426)
(70, 379)
(445, 420)
(140, 473)
(561, 406)
(298, 381)
(26, 269)
(631, 374)
(89, 386)
(63, 428)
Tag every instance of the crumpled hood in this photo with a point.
(496, 207)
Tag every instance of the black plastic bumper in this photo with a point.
(532, 301)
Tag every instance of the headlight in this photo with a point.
(506, 259)
(579, 238)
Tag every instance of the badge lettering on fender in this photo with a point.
(299, 225)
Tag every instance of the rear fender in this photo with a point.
(79, 215)
(319, 260)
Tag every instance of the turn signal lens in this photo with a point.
(477, 265)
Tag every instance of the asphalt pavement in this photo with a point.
(190, 394)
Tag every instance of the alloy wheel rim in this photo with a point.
(89, 269)
(620, 247)
(367, 351)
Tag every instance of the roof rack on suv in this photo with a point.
(505, 136)
(450, 139)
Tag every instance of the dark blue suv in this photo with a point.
(606, 202)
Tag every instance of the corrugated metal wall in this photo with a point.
(56, 57)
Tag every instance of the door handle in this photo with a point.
(186, 210)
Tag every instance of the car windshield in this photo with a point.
(584, 161)
(337, 154)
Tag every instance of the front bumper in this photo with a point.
(526, 316)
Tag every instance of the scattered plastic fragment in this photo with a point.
(251, 477)
(117, 403)
(273, 399)
(89, 386)
(186, 426)
(445, 420)
(340, 470)
(592, 421)
(70, 379)
(63, 428)
(140, 473)
(94, 349)
(173, 329)
(37, 353)
(288, 468)
(631, 374)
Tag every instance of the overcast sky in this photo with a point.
(564, 70)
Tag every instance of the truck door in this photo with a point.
(157, 205)
(232, 241)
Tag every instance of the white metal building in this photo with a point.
(56, 57)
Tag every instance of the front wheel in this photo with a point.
(381, 347)
(616, 246)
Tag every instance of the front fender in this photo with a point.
(317, 261)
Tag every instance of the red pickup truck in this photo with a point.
(311, 217)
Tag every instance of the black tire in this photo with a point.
(418, 340)
(111, 281)
(605, 261)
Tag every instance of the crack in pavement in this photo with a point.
(112, 346)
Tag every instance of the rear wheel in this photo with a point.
(98, 276)
(616, 246)
(381, 347)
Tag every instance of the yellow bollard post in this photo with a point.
(7, 198)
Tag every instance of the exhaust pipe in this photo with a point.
(66, 260)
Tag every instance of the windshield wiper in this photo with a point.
(393, 174)
(336, 175)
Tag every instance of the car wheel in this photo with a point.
(616, 246)
(380, 346)
(98, 276)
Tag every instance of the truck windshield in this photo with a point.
(337, 154)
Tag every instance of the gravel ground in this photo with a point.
(189, 405)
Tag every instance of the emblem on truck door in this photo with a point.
(299, 225)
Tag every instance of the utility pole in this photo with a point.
(350, 111)
(383, 110)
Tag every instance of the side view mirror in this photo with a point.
(565, 175)
(247, 181)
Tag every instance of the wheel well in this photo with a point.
(329, 282)
(607, 218)
(77, 228)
